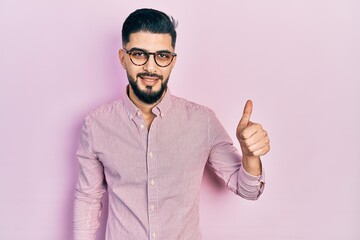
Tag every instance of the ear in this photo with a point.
(122, 54)
(173, 62)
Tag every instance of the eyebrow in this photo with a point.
(141, 49)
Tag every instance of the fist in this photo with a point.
(253, 139)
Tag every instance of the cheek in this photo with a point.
(132, 71)
(167, 73)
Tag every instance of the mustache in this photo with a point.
(147, 74)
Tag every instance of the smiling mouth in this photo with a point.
(149, 79)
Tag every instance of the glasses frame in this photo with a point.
(148, 56)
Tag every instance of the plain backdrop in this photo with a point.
(299, 61)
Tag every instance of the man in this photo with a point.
(149, 149)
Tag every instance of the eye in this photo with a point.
(138, 54)
(163, 55)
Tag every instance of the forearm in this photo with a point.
(87, 212)
(250, 186)
(252, 165)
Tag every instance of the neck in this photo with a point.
(145, 108)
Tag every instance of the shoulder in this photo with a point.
(185, 104)
(186, 110)
(105, 111)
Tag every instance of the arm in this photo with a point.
(227, 163)
(254, 141)
(89, 190)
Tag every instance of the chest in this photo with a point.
(171, 149)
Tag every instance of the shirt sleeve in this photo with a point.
(225, 159)
(90, 188)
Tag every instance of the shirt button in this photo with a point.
(152, 207)
(154, 235)
(138, 114)
(152, 182)
(142, 126)
(150, 154)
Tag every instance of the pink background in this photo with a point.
(299, 61)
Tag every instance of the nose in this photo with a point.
(150, 65)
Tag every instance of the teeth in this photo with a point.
(149, 80)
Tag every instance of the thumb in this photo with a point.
(244, 121)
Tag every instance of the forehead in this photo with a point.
(150, 41)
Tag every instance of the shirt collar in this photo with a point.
(159, 110)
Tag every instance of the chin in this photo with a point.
(150, 88)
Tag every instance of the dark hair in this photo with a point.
(148, 20)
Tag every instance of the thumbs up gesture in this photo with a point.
(254, 140)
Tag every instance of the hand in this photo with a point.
(253, 139)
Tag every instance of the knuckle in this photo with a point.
(243, 134)
(250, 149)
(267, 149)
(248, 143)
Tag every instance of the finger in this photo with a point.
(250, 130)
(255, 138)
(246, 115)
(259, 145)
(257, 149)
(262, 152)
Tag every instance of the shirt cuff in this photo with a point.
(249, 185)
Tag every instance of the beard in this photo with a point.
(148, 96)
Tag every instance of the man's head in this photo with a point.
(148, 20)
(148, 56)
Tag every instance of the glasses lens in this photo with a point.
(139, 57)
(163, 59)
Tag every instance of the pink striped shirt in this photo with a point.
(153, 176)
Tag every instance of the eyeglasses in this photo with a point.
(140, 57)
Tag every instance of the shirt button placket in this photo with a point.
(152, 192)
(152, 207)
